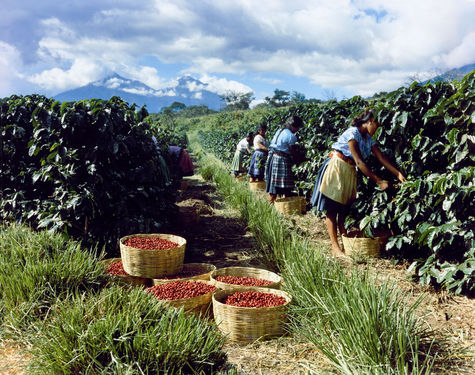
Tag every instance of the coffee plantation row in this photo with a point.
(89, 169)
(428, 131)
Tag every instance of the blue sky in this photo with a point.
(321, 48)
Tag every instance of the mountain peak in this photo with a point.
(188, 78)
(189, 91)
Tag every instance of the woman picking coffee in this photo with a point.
(335, 186)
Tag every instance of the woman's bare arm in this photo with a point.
(387, 164)
(355, 152)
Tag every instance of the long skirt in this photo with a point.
(237, 165)
(335, 186)
(258, 164)
(278, 174)
(186, 164)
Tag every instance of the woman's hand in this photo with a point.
(383, 184)
(401, 177)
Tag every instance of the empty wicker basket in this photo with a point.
(248, 324)
(153, 263)
(355, 244)
(126, 279)
(202, 270)
(257, 186)
(290, 205)
(245, 272)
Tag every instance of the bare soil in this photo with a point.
(216, 235)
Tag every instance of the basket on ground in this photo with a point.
(248, 324)
(196, 305)
(201, 271)
(188, 215)
(257, 186)
(256, 273)
(153, 263)
(183, 184)
(126, 279)
(290, 205)
(355, 244)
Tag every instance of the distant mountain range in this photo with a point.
(188, 91)
(452, 75)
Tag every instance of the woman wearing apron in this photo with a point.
(335, 186)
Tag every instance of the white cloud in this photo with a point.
(139, 91)
(169, 92)
(10, 62)
(146, 74)
(81, 72)
(463, 54)
(356, 45)
(221, 85)
(112, 83)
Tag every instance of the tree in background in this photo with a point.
(177, 106)
(281, 98)
(195, 111)
(237, 100)
(297, 98)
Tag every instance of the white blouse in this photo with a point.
(243, 145)
(260, 140)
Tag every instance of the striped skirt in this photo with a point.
(237, 165)
(278, 173)
(258, 164)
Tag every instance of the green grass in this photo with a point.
(38, 269)
(362, 326)
(56, 299)
(124, 331)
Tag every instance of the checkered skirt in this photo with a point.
(278, 173)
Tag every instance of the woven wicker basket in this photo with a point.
(245, 272)
(290, 205)
(196, 305)
(183, 184)
(355, 244)
(153, 263)
(257, 186)
(126, 279)
(248, 324)
(188, 215)
(205, 270)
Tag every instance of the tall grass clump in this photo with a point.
(124, 331)
(37, 269)
(362, 325)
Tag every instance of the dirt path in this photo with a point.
(12, 359)
(220, 238)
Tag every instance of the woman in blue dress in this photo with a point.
(335, 186)
(278, 172)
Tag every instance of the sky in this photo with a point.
(320, 48)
